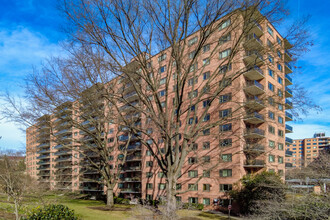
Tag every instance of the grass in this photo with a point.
(96, 210)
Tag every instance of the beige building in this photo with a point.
(250, 139)
(304, 151)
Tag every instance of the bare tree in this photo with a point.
(13, 180)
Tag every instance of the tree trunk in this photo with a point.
(110, 201)
(16, 210)
(170, 212)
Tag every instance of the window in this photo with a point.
(149, 186)
(280, 119)
(271, 115)
(269, 44)
(279, 54)
(194, 147)
(192, 173)
(225, 113)
(226, 142)
(206, 48)
(206, 187)
(206, 201)
(162, 57)
(224, 54)
(206, 145)
(226, 187)
(178, 186)
(110, 140)
(162, 81)
(225, 98)
(270, 31)
(149, 174)
(206, 75)
(280, 159)
(162, 69)
(193, 67)
(206, 89)
(279, 67)
(161, 186)
(206, 132)
(271, 129)
(271, 101)
(192, 119)
(193, 200)
(193, 94)
(224, 24)
(271, 59)
(206, 61)
(271, 158)
(270, 87)
(161, 175)
(206, 117)
(225, 82)
(226, 157)
(280, 133)
(162, 93)
(192, 160)
(192, 54)
(271, 72)
(148, 153)
(224, 68)
(192, 81)
(149, 164)
(224, 39)
(206, 103)
(206, 173)
(279, 41)
(225, 173)
(206, 159)
(192, 41)
(271, 144)
(280, 107)
(226, 127)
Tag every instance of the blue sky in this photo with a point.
(30, 32)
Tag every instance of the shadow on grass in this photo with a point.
(212, 216)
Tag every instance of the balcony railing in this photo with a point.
(288, 129)
(254, 148)
(254, 73)
(288, 140)
(288, 104)
(288, 80)
(288, 68)
(254, 133)
(288, 116)
(254, 88)
(137, 168)
(253, 41)
(43, 156)
(131, 179)
(130, 190)
(254, 118)
(254, 163)
(254, 102)
(253, 57)
(288, 92)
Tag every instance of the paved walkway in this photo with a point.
(224, 215)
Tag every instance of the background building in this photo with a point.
(304, 151)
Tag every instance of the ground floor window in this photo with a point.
(193, 200)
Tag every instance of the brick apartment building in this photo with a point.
(304, 151)
(248, 144)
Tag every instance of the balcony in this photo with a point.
(288, 68)
(131, 169)
(288, 140)
(254, 118)
(253, 42)
(43, 168)
(254, 88)
(44, 173)
(256, 28)
(64, 152)
(255, 73)
(63, 132)
(43, 162)
(44, 145)
(131, 96)
(288, 92)
(133, 158)
(92, 189)
(254, 164)
(288, 104)
(254, 133)
(61, 159)
(131, 179)
(253, 102)
(254, 148)
(287, 44)
(44, 151)
(288, 80)
(43, 157)
(287, 56)
(253, 58)
(288, 116)
(130, 190)
(288, 129)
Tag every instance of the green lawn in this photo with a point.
(96, 210)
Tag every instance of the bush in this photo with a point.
(196, 206)
(51, 212)
(118, 200)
